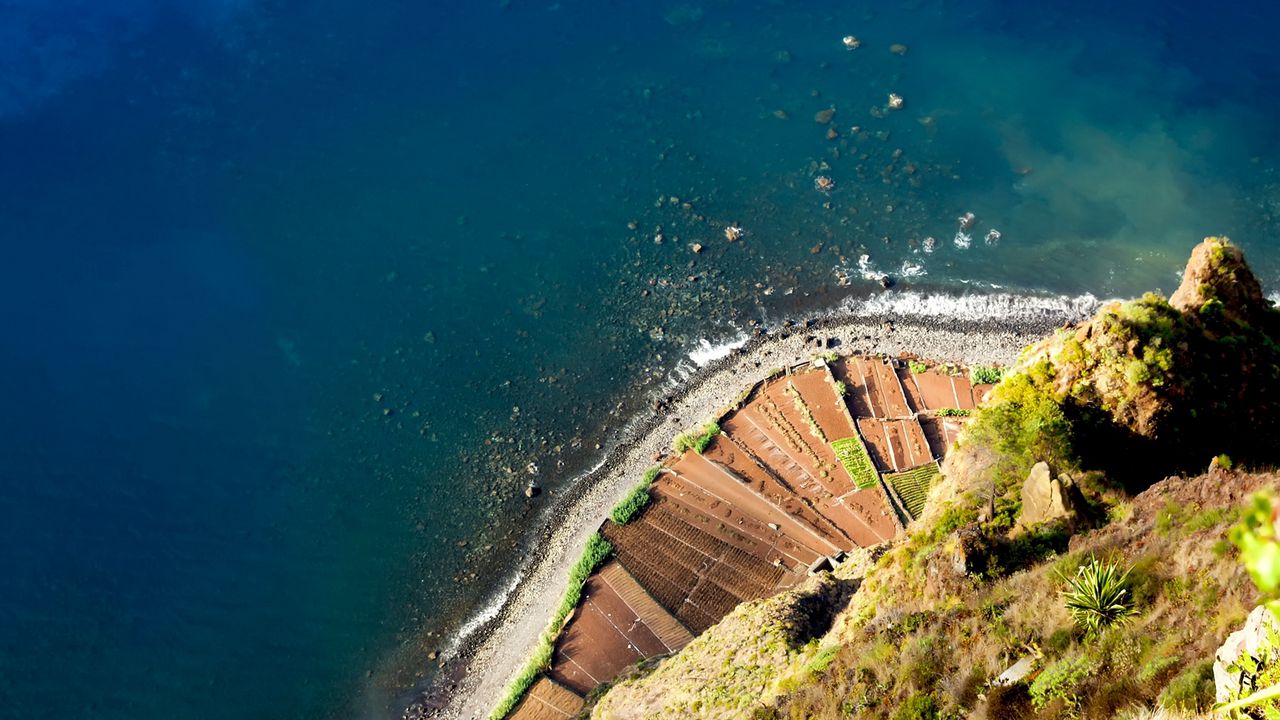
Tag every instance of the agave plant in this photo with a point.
(1096, 597)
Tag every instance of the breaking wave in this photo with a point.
(973, 307)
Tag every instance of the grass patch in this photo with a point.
(636, 500)
(696, 440)
(856, 460)
(952, 412)
(1062, 680)
(918, 367)
(597, 551)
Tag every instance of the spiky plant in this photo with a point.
(1097, 597)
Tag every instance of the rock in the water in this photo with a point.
(824, 116)
(1045, 498)
(1249, 640)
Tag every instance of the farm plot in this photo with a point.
(673, 559)
(703, 487)
(719, 483)
(871, 511)
(942, 432)
(883, 392)
(896, 445)
(817, 391)
(602, 638)
(856, 397)
(827, 503)
(729, 455)
(774, 413)
(547, 700)
(939, 390)
(914, 399)
(912, 487)
(856, 461)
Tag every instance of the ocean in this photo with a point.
(297, 295)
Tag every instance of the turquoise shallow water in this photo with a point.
(294, 291)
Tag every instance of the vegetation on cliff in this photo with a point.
(1096, 590)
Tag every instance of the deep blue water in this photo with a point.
(293, 291)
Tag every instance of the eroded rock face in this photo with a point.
(1045, 498)
(1251, 640)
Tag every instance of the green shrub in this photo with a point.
(1096, 596)
(1024, 424)
(841, 388)
(636, 500)
(986, 375)
(952, 412)
(918, 367)
(696, 441)
(1061, 680)
(1192, 690)
(918, 707)
(923, 662)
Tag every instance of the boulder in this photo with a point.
(1250, 640)
(1045, 498)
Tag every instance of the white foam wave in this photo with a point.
(974, 306)
(706, 352)
(963, 240)
(912, 270)
(867, 269)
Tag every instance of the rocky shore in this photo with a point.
(497, 651)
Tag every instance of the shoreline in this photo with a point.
(480, 672)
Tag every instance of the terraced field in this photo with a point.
(798, 473)
(547, 700)
(912, 487)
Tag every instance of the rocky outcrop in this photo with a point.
(1217, 273)
(1233, 678)
(1046, 498)
(1196, 375)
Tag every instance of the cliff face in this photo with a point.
(972, 593)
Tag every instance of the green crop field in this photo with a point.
(913, 486)
(855, 459)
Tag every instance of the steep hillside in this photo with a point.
(976, 590)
